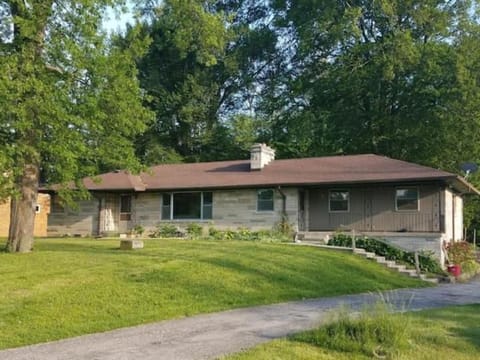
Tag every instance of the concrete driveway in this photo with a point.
(212, 335)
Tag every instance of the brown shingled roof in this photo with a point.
(307, 171)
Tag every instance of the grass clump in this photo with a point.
(373, 332)
(438, 334)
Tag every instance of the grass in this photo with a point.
(69, 287)
(440, 334)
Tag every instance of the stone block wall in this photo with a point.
(81, 222)
(231, 209)
(238, 208)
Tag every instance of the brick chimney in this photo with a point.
(260, 156)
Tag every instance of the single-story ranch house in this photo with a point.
(415, 206)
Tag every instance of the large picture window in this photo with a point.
(406, 199)
(339, 201)
(187, 206)
(265, 200)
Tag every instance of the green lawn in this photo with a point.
(441, 334)
(69, 287)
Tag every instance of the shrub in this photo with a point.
(427, 262)
(460, 252)
(138, 229)
(245, 234)
(166, 230)
(284, 227)
(194, 230)
(470, 268)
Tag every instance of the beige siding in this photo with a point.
(40, 228)
(373, 209)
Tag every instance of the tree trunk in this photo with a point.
(22, 212)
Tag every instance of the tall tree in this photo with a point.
(391, 77)
(70, 101)
(201, 68)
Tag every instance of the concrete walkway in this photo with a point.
(212, 335)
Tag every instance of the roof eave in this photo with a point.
(462, 185)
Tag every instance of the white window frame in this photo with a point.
(330, 205)
(409, 188)
(202, 204)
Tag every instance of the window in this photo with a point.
(406, 199)
(265, 200)
(339, 201)
(56, 204)
(125, 207)
(187, 206)
(37, 209)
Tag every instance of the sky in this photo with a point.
(115, 22)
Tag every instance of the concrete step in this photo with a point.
(409, 272)
(391, 264)
(397, 267)
(365, 254)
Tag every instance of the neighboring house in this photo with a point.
(412, 205)
(41, 216)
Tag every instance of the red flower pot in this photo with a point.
(455, 270)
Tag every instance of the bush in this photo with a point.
(470, 268)
(194, 230)
(166, 231)
(245, 234)
(284, 227)
(138, 230)
(460, 252)
(427, 262)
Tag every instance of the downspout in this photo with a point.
(284, 202)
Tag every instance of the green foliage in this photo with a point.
(166, 231)
(194, 230)
(427, 262)
(138, 229)
(375, 333)
(460, 252)
(285, 227)
(200, 72)
(71, 104)
(442, 334)
(245, 234)
(387, 77)
(470, 268)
